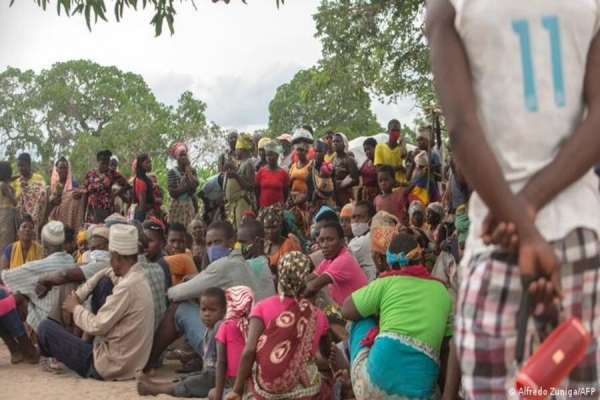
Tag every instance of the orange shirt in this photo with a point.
(180, 265)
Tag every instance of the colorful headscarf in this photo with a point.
(271, 146)
(437, 208)
(240, 301)
(271, 216)
(323, 211)
(425, 133)
(244, 142)
(81, 237)
(177, 148)
(55, 180)
(293, 269)
(384, 228)
(347, 210)
(414, 207)
(263, 142)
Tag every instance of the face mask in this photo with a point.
(359, 228)
(216, 252)
(394, 135)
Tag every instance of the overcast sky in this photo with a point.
(233, 57)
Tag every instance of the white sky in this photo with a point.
(233, 57)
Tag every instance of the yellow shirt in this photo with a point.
(392, 157)
(330, 157)
(35, 178)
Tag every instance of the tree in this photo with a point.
(382, 43)
(324, 99)
(164, 10)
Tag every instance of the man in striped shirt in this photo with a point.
(22, 281)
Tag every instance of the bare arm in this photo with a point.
(221, 369)
(452, 374)
(578, 154)
(248, 355)
(349, 311)
(4, 263)
(313, 286)
(353, 172)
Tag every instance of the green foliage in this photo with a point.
(382, 43)
(325, 99)
(78, 107)
(96, 9)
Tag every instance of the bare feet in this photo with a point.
(145, 386)
(16, 358)
(340, 368)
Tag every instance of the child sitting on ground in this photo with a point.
(212, 311)
(231, 339)
(390, 201)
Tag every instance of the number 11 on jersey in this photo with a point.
(550, 24)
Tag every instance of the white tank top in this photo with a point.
(527, 61)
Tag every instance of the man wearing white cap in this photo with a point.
(123, 326)
(22, 281)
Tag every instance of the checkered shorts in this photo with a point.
(489, 299)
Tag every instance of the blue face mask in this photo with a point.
(217, 252)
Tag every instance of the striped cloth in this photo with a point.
(489, 299)
(25, 278)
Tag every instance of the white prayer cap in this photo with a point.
(123, 239)
(53, 233)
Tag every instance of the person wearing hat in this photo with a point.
(124, 325)
(239, 183)
(98, 183)
(22, 281)
(304, 138)
(229, 155)
(261, 153)
(285, 158)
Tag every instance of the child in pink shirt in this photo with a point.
(231, 339)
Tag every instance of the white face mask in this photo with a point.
(359, 228)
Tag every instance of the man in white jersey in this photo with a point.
(519, 82)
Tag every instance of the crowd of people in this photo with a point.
(279, 277)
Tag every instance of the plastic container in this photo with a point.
(553, 360)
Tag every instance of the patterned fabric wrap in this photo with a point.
(382, 237)
(294, 268)
(177, 148)
(244, 142)
(240, 301)
(33, 202)
(271, 216)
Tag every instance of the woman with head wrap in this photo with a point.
(182, 183)
(65, 204)
(320, 181)
(346, 170)
(272, 182)
(346, 221)
(414, 328)
(278, 239)
(98, 189)
(299, 190)
(384, 228)
(239, 182)
(261, 153)
(285, 322)
(425, 189)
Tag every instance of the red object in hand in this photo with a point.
(553, 360)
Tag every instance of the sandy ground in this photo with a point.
(25, 382)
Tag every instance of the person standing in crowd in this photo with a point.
(272, 182)
(425, 144)
(360, 245)
(458, 191)
(65, 204)
(98, 183)
(182, 183)
(143, 191)
(305, 136)
(278, 240)
(393, 152)
(368, 172)
(30, 190)
(291, 374)
(239, 185)
(285, 158)
(229, 155)
(539, 183)
(198, 231)
(124, 323)
(213, 197)
(297, 202)
(413, 328)
(328, 140)
(392, 202)
(424, 179)
(250, 242)
(340, 270)
(320, 181)
(8, 210)
(261, 154)
(181, 263)
(25, 249)
(346, 170)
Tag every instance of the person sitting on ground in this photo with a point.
(181, 264)
(384, 227)
(279, 321)
(346, 221)
(360, 245)
(249, 216)
(413, 328)
(250, 237)
(82, 245)
(12, 331)
(231, 339)
(70, 244)
(22, 281)
(198, 231)
(393, 202)
(212, 310)
(123, 324)
(278, 240)
(340, 270)
(154, 250)
(416, 214)
(227, 268)
(24, 250)
(323, 215)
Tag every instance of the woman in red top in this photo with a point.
(142, 187)
(368, 172)
(272, 183)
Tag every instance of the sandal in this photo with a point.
(51, 365)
